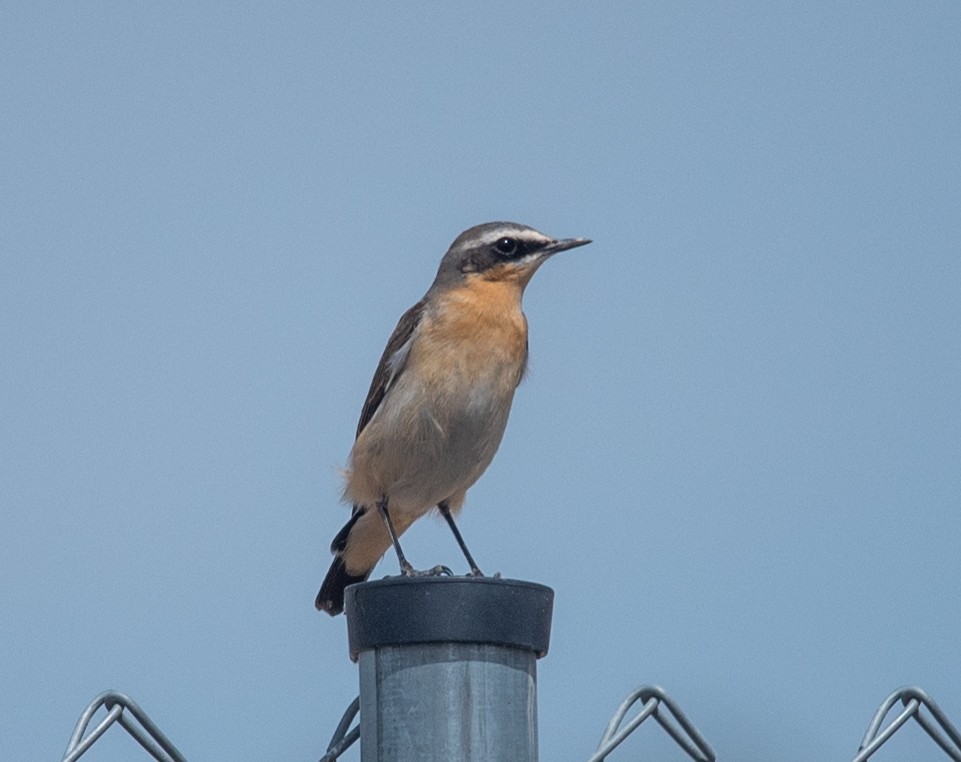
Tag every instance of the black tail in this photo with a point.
(331, 595)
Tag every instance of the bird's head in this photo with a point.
(499, 251)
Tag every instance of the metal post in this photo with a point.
(448, 667)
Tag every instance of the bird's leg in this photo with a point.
(445, 512)
(405, 568)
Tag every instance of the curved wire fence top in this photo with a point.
(655, 702)
(123, 710)
(673, 720)
(913, 700)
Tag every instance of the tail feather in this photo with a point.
(340, 541)
(331, 595)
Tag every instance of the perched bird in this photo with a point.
(438, 404)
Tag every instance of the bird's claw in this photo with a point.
(437, 571)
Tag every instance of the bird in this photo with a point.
(439, 400)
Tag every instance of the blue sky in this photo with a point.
(736, 459)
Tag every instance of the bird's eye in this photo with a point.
(506, 247)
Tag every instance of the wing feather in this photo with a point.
(392, 362)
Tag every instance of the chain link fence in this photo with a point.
(124, 711)
(654, 702)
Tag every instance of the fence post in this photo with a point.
(448, 667)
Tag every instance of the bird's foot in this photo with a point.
(475, 572)
(437, 571)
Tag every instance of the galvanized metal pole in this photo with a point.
(448, 667)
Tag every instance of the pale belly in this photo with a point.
(429, 444)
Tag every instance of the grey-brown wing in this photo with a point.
(391, 362)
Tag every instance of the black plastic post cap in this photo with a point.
(407, 610)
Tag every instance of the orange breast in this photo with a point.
(478, 330)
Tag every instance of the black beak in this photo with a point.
(563, 245)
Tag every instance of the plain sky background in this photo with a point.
(736, 459)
